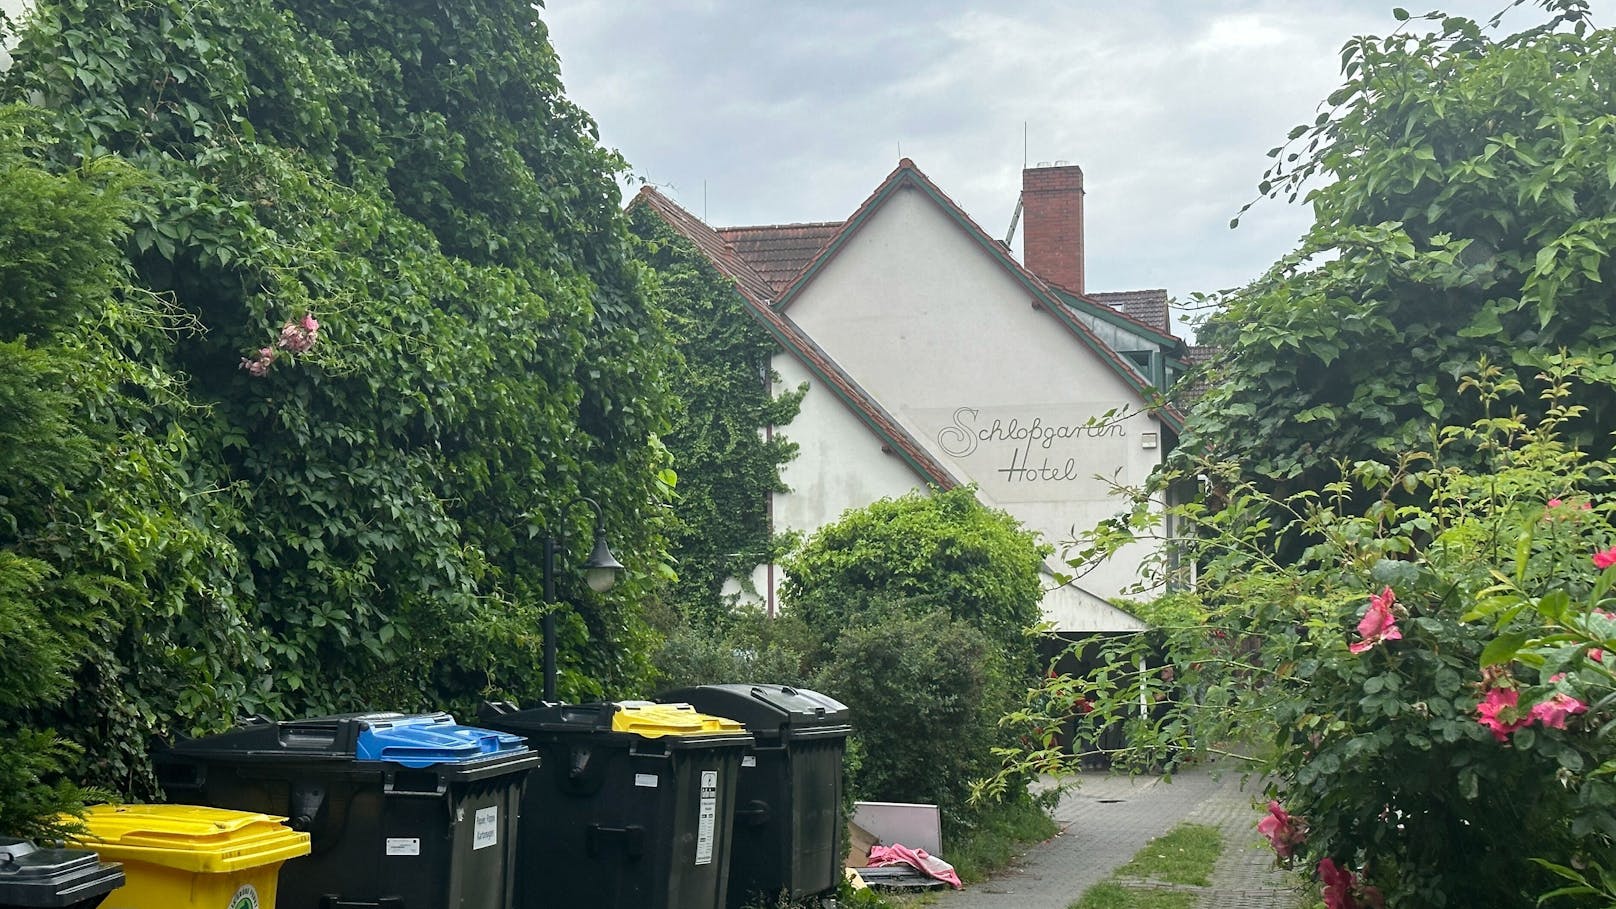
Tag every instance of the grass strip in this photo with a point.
(1183, 855)
(1111, 895)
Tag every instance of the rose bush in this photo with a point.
(1423, 689)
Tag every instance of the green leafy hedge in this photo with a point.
(373, 325)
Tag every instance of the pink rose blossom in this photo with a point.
(1605, 558)
(1555, 503)
(1378, 623)
(1498, 711)
(1338, 884)
(1284, 832)
(1596, 654)
(259, 366)
(299, 336)
(1558, 708)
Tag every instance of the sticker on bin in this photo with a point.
(485, 828)
(245, 898)
(645, 780)
(403, 845)
(708, 817)
(749, 761)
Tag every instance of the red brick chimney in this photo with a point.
(1052, 208)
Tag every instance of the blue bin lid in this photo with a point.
(421, 740)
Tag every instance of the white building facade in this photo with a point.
(934, 359)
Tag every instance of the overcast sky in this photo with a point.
(750, 112)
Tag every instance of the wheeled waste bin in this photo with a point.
(788, 800)
(33, 876)
(192, 857)
(632, 808)
(406, 811)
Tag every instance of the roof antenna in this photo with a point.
(704, 200)
(1023, 148)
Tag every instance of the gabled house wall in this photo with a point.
(949, 342)
(935, 359)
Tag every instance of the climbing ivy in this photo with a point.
(723, 433)
(381, 328)
(1462, 184)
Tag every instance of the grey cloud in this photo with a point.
(794, 112)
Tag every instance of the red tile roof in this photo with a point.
(758, 294)
(1147, 306)
(779, 252)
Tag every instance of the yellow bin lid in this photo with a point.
(653, 721)
(190, 837)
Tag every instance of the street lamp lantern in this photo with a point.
(600, 573)
(602, 569)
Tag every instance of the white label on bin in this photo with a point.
(648, 780)
(485, 828)
(749, 761)
(403, 845)
(708, 817)
(246, 898)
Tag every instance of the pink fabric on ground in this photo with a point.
(917, 859)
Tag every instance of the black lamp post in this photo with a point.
(600, 573)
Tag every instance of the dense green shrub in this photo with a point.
(939, 551)
(91, 522)
(927, 692)
(918, 613)
(749, 647)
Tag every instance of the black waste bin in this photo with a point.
(31, 876)
(788, 815)
(404, 811)
(632, 809)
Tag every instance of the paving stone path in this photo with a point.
(1107, 819)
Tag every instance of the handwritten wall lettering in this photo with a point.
(1024, 447)
(961, 438)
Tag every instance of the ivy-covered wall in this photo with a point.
(723, 435)
(375, 324)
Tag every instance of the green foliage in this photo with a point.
(927, 692)
(917, 612)
(1480, 728)
(1463, 205)
(722, 435)
(354, 521)
(939, 551)
(999, 832)
(84, 510)
(750, 647)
